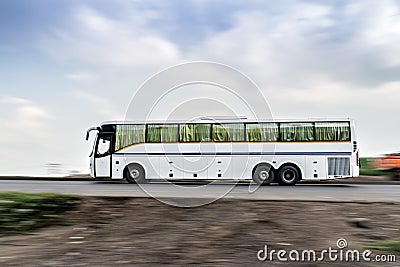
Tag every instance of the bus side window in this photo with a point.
(293, 132)
(253, 132)
(158, 133)
(228, 132)
(127, 135)
(332, 131)
(195, 132)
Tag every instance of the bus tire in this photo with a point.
(135, 174)
(263, 174)
(288, 175)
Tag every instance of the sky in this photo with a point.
(68, 65)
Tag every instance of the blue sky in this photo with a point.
(68, 65)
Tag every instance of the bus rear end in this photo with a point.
(355, 155)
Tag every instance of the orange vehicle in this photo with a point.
(389, 163)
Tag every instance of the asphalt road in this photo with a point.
(301, 192)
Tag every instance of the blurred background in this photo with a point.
(68, 65)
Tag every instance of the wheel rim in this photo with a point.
(135, 173)
(288, 176)
(263, 175)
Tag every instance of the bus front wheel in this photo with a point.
(288, 175)
(135, 174)
(263, 175)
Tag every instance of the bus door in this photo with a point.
(102, 160)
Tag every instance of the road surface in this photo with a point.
(314, 192)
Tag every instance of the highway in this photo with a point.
(300, 192)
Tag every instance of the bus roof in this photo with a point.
(240, 120)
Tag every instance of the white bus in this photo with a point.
(281, 151)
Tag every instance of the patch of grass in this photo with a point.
(21, 212)
(372, 172)
(392, 246)
(368, 169)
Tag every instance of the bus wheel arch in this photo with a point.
(134, 173)
(288, 174)
(263, 173)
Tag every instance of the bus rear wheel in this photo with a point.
(288, 175)
(263, 175)
(135, 174)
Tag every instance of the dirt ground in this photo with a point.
(145, 232)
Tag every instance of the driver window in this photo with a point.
(103, 147)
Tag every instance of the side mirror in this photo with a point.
(91, 129)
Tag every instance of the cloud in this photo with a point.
(15, 100)
(81, 76)
(297, 42)
(98, 104)
(95, 38)
(22, 120)
(381, 26)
